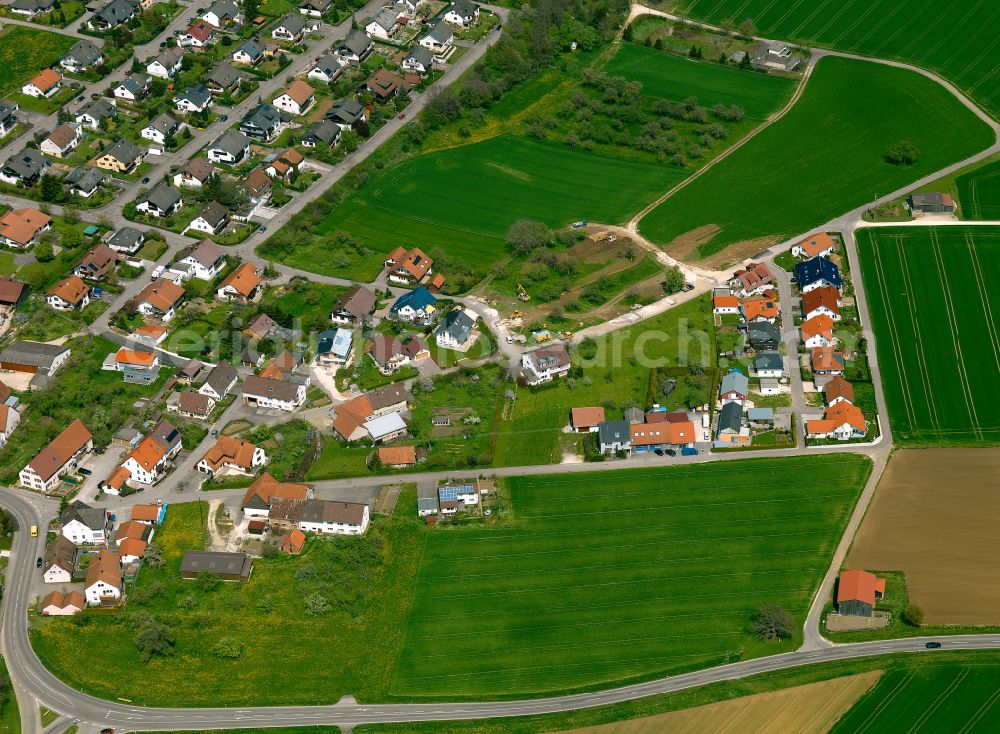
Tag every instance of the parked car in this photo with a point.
(86, 472)
(671, 452)
(38, 563)
(224, 117)
(145, 180)
(688, 287)
(658, 452)
(689, 451)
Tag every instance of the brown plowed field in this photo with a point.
(809, 709)
(936, 517)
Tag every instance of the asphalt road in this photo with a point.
(33, 680)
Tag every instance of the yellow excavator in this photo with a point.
(522, 294)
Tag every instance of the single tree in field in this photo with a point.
(673, 281)
(903, 153)
(153, 639)
(772, 623)
(526, 235)
(747, 29)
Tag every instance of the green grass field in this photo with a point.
(463, 200)
(677, 78)
(824, 157)
(979, 192)
(963, 50)
(289, 657)
(931, 297)
(931, 698)
(609, 577)
(617, 377)
(26, 51)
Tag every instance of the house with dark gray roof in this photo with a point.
(763, 336)
(438, 37)
(25, 167)
(418, 61)
(455, 329)
(768, 364)
(161, 201)
(84, 181)
(113, 14)
(263, 122)
(353, 306)
(227, 566)
(160, 128)
(127, 240)
(614, 436)
(223, 78)
(231, 147)
(323, 132)
(211, 219)
(81, 56)
(34, 357)
(346, 111)
(326, 69)
(194, 99)
(220, 381)
(730, 423)
(8, 117)
(121, 156)
(250, 52)
(94, 112)
(31, 8)
(290, 28)
(355, 48)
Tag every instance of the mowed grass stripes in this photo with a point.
(615, 576)
(934, 306)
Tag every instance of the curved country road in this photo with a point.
(56, 695)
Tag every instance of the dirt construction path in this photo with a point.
(809, 709)
(934, 517)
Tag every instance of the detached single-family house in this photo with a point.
(408, 267)
(824, 300)
(204, 260)
(162, 200)
(159, 299)
(138, 367)
(220, 381)
(768, 364)
(759, 309)
(103, 586)
(419, 60)
(85, 525)
(857, 592)
(438, 38)
(263, 122)
(224, 78)
(353, 306)
(326, 517)
(113, 14)
(198, 35)
(266, 393)
(167, 63)
(222, 13)
(730, 430)
(734, 387)
(752, 280)
(416, 305)
(826, 361)
(776, 56)
(544, 364)
(44, 84)
(97, 264)
(819, 245)
(383, 25)
(314, 8)
(160, 128)
(30, 8)
(326, 69)
(21, 228)
(455, 329)
(355, 48)
(334, 347)
(240, 286)
(147, 462)
(290, 29)
(324, 133)
(347, 112)
(586, 420)
(297, 99)
(84, 182)
(69, 294)
(762, 335)
(817, 272)
(8, 117)
(127, 240)
(251, 52)
(838, 390)
(93, 113)
(232, 455)
(389, 353)
(256, 186)
(725, 303)
(120, 157)
(212, 219)
(24, 168)
(231, 147)
(81, 56)
(194, 99)
(44, 471)
(282, 164)
(462, 13)
(614, 436)
(842, 421)
(383, 85)
(133, 88)
(817, 331)
(195, 173)
(60, 561)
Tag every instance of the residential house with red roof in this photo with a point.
(857, 592)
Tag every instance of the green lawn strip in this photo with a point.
(676, 78)
(366, 582)
(938, 364)
(879, 28)
(337, 461)
(824, 157)
(666, 581)
(618, 376)
(80, 389)
(10, 717)
(26, 51)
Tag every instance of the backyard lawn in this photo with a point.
(825, 157)
(606, 578)
(26, 51)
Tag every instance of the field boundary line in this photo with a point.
(942, 697)
(984, 296)
(897, 357)
(884, 703)
(980, 712)
(949, 308)
(914, 322)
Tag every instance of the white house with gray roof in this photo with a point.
(94, 112)
(160, 128)
(455, 329)
(161, 201)
(194, 99)
(167, 64)
(438, 38)
(290, 28)
(355, 48)
(420, 60)
(231, 147)
(81, 56)
(326, 69)
(734, 387)
(251, 52)
(383, 25)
